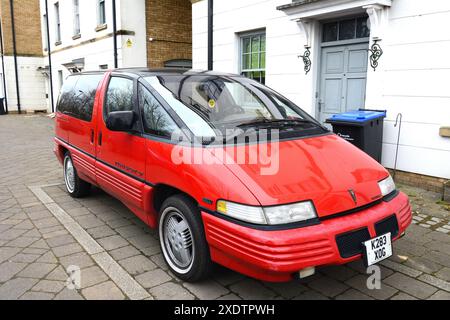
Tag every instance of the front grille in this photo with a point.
(388, 225)
(350, 244)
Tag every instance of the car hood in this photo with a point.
(326, 170)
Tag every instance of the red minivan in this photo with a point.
(228, 170)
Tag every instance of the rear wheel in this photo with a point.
(183, 240)
(76, 187)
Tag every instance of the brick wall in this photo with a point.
(417, 180)
(169, 23)
(27, 26)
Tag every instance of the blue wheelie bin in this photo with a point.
(363, 128)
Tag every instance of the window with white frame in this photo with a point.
(58, 23)
(253, 56)
(101, 12)
(45, 34)
(346, 29)
(76, 17)
(60, 79)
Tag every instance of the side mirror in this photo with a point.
(121, 121)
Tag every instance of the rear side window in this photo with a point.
(67, 95)
(157, 121)
(119, 96)
(78, 96)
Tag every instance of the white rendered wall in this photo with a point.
(96, 47)
(412, 77)
(132, 18)
(31, 84)
(413, 80)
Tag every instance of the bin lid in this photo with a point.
(358, 116)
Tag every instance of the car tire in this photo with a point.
(182, 239)
(76, 187)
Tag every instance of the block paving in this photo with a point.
(36, 249)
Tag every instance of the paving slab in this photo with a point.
(104, 291)
(207, 290)
(137, 265)
(171, 291)
(411, 286)
(250, 289)
(153, 278)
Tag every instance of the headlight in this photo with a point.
(298, 212)
(387, 186)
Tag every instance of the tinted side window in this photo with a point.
(67, 95)
(78, 95)
(85, 96)
(119, 96)
(156, 120)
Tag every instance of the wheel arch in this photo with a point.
(162, 192)
(61, 152)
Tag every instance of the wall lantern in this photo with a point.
(376, 53)
(306, 26)
(378, 18)
(306, 59)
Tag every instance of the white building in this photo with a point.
(21, 81)
(264, 39)
(81, 36)
(153, 33)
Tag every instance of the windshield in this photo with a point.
(214, 105)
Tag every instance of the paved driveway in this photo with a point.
(45, 236)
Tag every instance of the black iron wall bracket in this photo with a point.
(376, 53)
(306, 59)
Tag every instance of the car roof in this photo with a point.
(147, 72)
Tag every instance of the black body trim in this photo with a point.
(391, 196)
(109, 165)
(389, 224)
(352, 211)
(350, 243)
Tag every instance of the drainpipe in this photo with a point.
(114, 9)
(13, 29)
(3, 68)
(210, 34)
(49, 57)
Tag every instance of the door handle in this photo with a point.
(100, 138)
(92, 136)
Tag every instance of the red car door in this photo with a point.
(120, 166)
(82, 125)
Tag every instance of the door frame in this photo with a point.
(320, 45)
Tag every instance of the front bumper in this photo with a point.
(277, 256)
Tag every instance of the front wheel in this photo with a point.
(183, 240)
(76, 187)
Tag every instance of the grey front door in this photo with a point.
(343, 79)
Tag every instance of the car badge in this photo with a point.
(352, 193)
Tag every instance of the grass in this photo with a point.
(444, 204)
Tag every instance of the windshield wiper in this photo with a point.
(276, 123)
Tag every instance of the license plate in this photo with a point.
(378, 249)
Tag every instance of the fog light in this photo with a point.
(308, 272)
